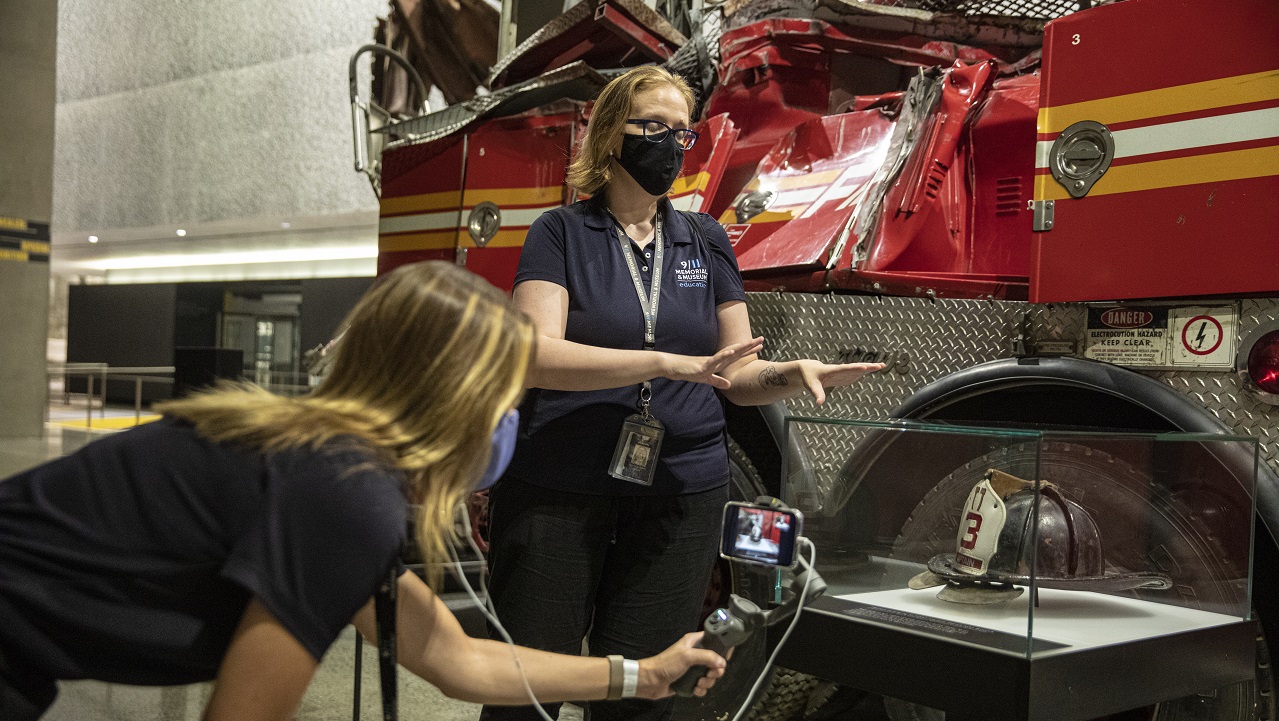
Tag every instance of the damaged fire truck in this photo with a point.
(1034, 211)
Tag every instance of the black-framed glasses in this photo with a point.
(655, 131)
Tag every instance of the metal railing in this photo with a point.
(101, 373)
(283, 383)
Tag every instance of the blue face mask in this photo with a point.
(503, 448)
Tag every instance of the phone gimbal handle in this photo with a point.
(725, 628)
(728, 627)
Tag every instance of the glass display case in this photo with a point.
(1025, 572)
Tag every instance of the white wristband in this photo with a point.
(630, 678)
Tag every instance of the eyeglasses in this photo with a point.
(655, 131)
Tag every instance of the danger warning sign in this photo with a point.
(1128, 336)
(1154, 336)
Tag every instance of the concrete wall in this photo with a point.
(28, 49)
(180, 112)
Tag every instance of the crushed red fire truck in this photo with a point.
(1065, 218)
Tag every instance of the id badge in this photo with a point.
(635, 458)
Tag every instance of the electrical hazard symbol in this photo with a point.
(1206, 336)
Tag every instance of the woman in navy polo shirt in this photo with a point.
(608, 519)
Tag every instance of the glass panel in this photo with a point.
(895, 503)
(1026, 540)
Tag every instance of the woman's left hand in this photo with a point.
(818, 376)
(657, 673)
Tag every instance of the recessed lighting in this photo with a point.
(284, 225)
(93, 238)
(281, 255)
(181, 232)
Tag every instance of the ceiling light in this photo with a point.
(93, 238)
(288, 255)
(284, 225)
(181, 232)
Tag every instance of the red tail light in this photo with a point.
(1263, 362)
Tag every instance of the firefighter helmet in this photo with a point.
(1001, 540)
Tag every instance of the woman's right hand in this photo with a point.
(707, 369)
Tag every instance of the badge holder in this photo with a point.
(638, 446)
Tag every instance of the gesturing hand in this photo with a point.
(707, 369)
(818, 376)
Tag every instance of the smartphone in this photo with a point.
(760, 534)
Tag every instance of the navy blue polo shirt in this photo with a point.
(567, 438)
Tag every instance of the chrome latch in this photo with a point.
(1043, 214)
(1081, 155)
(752, 204)
(483, 223)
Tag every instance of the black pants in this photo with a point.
(22, 697)
(631, 571)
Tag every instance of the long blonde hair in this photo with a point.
(590, 170)
(431, 360)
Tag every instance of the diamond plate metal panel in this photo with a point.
(1225, 396)
(924, 340)
(1055, 323)
(643, 14)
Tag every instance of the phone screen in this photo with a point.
(760, 534)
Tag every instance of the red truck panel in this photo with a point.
(518, 166)
(421, 190)
(1190, 202)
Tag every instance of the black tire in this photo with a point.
(1116, 494)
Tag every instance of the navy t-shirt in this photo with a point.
(567, 438)
(132, 560)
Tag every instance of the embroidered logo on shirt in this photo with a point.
(691, 274)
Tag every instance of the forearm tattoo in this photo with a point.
(770, 377)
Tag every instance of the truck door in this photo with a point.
(421, 191)
(515, 170)
(1157, 163)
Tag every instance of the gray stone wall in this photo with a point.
(28, 44)
(183, 112)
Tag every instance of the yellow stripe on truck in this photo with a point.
(1192, 97)
(502, 239)
(504, 197)
(419, 203)
(1173, 172)
(450, 200)
(690, 183)
(430, 240)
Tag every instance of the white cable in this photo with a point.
(490, 613)
(768, 667)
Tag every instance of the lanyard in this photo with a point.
(649, 304)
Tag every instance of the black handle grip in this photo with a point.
(685, 684)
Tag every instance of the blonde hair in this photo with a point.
(590, 170)
(431, 360)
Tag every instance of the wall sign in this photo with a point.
(23, 240)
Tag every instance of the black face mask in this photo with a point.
(653, 165)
